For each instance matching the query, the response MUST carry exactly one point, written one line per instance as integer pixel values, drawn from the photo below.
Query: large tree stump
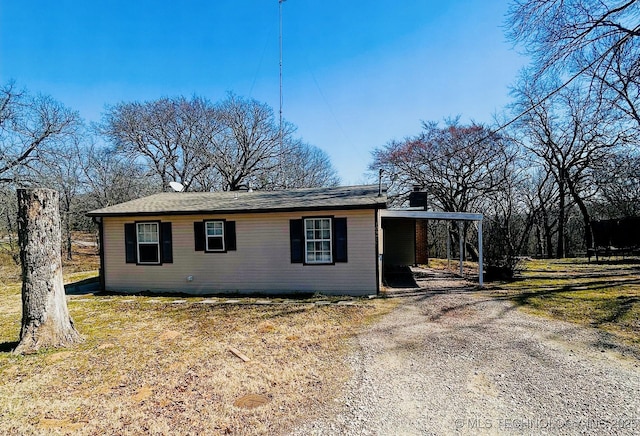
(45, 317)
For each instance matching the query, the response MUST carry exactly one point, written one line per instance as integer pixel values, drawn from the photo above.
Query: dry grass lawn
(159, 365)
(603, 295)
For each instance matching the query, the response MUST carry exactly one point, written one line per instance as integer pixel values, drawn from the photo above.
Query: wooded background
(563, 153)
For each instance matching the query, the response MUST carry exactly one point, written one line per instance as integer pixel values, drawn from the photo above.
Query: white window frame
(318, 237)
(155, 224)
(221, 235)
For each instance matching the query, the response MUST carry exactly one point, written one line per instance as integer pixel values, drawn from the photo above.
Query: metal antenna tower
(280, 40)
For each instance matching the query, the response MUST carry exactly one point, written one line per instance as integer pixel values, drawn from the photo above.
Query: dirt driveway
(455, 362)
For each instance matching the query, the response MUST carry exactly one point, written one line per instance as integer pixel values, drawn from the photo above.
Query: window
(317, 240)
(215, 235)
(148, 243)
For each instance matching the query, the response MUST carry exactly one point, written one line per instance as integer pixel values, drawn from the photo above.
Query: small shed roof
(182, 203)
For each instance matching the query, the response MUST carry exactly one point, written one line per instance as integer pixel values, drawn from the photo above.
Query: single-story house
(327, 240)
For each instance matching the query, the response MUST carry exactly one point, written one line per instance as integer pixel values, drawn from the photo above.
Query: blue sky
(356, 73)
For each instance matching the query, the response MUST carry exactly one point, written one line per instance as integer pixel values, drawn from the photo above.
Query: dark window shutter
(198, 234)
(167, 243)
(230, 235)
(339, 239)
(296, 234)
(130, 240)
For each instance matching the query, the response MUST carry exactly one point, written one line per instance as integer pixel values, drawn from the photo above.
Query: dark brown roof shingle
(181, 203)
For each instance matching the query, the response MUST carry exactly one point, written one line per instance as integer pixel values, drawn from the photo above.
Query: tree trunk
(588, 235)
(15, 254)
(67, 235)
(548, 233)
(526, 236)
(45, 318)
(467, 247)
(561, 220)
(539, 244)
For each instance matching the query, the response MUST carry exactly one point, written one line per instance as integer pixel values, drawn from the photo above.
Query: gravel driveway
(455, 362)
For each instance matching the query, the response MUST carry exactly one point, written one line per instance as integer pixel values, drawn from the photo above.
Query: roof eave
(239, 211)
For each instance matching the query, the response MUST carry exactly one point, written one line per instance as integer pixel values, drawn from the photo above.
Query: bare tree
(168, 134)
(111, 177)
(31, 128)
(247, 146)
(617, 82)
(593, 40)
(459, 166)
(305, 166)
(8, 223)
(541, 197)
(61, 169)
(28, 126)
(570, 135)
(618, 179)
(233, 144)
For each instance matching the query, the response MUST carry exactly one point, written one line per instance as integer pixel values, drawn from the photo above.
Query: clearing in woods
(160, 364)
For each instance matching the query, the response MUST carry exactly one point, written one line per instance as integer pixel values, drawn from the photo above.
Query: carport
(399, 235)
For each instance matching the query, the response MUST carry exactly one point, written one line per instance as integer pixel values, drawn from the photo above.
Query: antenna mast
(280, 40)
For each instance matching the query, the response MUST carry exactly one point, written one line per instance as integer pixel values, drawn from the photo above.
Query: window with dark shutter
(148, 243)
(296, 236)
(318, 240)
(130, 241)
(167, 243)
(230, 235)
(198, 235)
(215, 236)
(340, 239)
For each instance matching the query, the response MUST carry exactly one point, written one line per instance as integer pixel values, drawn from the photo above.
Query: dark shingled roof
(182, 203)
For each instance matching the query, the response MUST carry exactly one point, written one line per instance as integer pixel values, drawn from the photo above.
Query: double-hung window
(215, 235)
(318, 240)
(148, 243)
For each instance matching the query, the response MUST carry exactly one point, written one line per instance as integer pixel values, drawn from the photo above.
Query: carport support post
(461, 246)
(448, 245)
(480, 259)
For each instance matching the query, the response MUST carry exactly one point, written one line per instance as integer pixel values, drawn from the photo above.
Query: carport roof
(453, 216)
(430, 215)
